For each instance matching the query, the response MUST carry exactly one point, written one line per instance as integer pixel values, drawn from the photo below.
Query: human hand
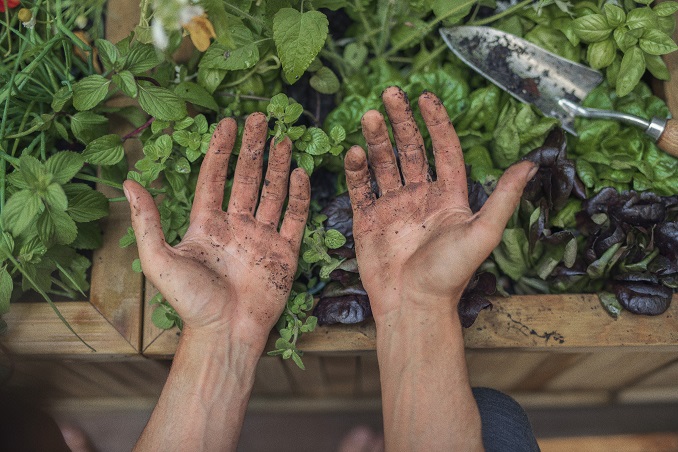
(233, 271)
(418, 243)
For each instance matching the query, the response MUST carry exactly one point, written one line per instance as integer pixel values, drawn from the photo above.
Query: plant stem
(244, 15)
(99, 180)
(139, 129)
(504, 13)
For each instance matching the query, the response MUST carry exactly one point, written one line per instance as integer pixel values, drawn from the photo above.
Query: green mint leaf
(210, 79)
(286, 334)
(61, 130)
(61, 98)
(136, 265)
(64, 165)
(305, 161)
(316, 141)
(656, 42)
(355, 54)
(295, 132)
(196, 94)
(282, 344)
(298, 39)
(277, 105)
(86, 126)
(127, 83)
(309, 256)
(128, 239)
(325, 81)
(592, 28)
(88, 92)
(141, 58)
(665, 9)
(89, 237)
(326, 269)
(105, 150)
(6, 288)
(160, 318)
(20, 211)
(108, 53)
(337, 134)
(55, 226)
(161, 103)
(201, 124)
(241, 58)
(287, 354)
(183, 123)
(631, 70)
(334, 239)
(292, 113)
(88, 206)
(55, 197)
(6, 245)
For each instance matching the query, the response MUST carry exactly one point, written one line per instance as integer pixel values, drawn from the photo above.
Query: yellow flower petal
(201, 30)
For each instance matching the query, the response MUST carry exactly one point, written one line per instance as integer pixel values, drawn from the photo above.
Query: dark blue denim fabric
(506, 427)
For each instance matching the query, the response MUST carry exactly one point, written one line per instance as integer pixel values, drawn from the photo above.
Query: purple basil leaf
(336, 289)
(340, 215)
(666, 239)
(347, 309)
(643, 298)
(470, 306)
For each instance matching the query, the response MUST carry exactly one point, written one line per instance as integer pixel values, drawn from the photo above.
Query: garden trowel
(553, 84)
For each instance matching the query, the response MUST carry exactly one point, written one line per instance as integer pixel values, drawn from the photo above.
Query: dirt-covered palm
(233, 270)
(418, 242)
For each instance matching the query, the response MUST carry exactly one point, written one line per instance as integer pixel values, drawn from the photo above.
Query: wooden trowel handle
(668, 140)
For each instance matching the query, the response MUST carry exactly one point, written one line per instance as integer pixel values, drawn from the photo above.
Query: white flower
(160, 39)
(188, 12)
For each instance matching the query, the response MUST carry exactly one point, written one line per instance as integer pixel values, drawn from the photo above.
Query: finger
(450, 168)
(293, 224)
(209, 191)
(247, 178)
(491, 220)
(275, 183)
(146, 225)
(358, 179)
(380, 151)
(409, 142)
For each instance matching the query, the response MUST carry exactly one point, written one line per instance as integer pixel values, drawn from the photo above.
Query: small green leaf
(665, 9)
(311, 256)
(61, 98)
(292, 113)
(128, 239)
(601, 54)
(316, 141)
(297, 361)
(355, 54)
(86, 126)
(298, 39)
(641, 18)
(609, 301)
(20, 211)
(337, 134)
(136, 265)
(141, 58)
(631, 70)
(614, 14)
(64, 165)
(305, 161)
(160, 318)
(88, 206)
(6, 288)
(592, 28)
(55, 197)
(196, 94)
(125, 80)
(88, 92)
(334, 239)
(655, 64)
(295, 132)
(55, 226)
(656, 42)
(451, 11)
(105, 150)
(161, 103)
(325, 81)
(108, 53)
(276, 106)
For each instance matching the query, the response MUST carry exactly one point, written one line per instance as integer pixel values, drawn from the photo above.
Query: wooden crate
(111, 320)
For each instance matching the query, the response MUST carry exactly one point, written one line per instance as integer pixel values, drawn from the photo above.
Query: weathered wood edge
(34, 330)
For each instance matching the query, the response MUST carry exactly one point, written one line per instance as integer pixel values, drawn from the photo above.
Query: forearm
(203, 403)
(426, 395)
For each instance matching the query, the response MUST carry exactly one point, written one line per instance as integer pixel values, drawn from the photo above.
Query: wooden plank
(502, 370)
(563, 399)
(369, 383)
(549, 368)
(271, 377)
(611, 370)
(655, 442)
(340, 374)
(35, 330)
(309, 382)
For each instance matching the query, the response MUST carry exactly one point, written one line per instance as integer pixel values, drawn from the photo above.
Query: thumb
(492, 218)
(146, 224)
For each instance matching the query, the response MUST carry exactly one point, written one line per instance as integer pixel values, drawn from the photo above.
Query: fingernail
(124, 190)
(533, 172)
